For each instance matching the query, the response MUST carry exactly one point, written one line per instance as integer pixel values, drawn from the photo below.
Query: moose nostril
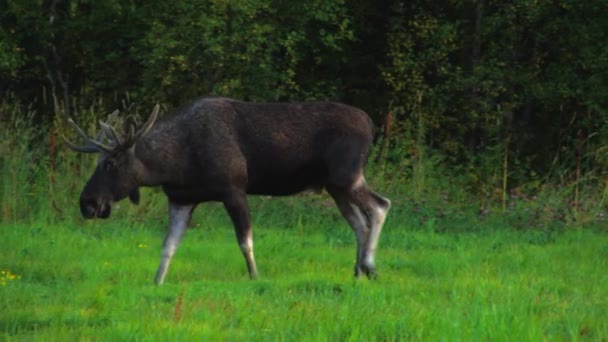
(104, 211)
(88, 209)
(88, 212)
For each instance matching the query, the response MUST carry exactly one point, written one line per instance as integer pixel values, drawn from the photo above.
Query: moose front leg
(179, 216)
(236, 206)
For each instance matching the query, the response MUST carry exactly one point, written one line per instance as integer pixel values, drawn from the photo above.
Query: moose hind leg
(376, 208)
(179, 216)
(380, 207)
(356, 219)
(238, 210)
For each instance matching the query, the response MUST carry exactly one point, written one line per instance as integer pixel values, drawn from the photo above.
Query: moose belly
(192, 193)
(277, 181)
(271, 180)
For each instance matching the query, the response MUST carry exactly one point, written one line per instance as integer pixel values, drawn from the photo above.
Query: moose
(222, 149)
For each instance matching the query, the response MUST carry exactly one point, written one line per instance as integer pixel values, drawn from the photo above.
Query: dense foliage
(509, 95)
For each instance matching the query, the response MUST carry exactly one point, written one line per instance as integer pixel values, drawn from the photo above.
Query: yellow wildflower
(6, 276)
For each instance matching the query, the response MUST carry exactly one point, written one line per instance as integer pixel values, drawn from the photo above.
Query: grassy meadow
(93, 280)
(452, 266)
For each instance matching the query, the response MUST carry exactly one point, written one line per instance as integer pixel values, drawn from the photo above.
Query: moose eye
(109, 165)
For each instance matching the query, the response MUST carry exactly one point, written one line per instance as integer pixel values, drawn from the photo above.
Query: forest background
(494, 104)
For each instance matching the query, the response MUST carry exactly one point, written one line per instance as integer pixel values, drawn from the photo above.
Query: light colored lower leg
(376, 224)
(179, 216)
(358, 224)
(356, 219)
(247, 249)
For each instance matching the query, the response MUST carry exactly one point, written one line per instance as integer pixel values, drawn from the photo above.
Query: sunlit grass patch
(7, 277)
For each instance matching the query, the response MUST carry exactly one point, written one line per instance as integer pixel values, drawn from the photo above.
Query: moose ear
(134, 196)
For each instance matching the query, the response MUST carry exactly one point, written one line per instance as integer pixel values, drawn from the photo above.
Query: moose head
(117, 174)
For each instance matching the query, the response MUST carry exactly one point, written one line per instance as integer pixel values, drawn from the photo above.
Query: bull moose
(221, 149)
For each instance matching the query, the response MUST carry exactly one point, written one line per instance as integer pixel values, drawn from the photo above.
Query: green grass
(452, 265)
(93, 280)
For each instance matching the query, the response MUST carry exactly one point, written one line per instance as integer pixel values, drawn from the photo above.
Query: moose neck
(157, 159)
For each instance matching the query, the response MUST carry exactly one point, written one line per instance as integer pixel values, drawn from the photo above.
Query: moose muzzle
(91, 208)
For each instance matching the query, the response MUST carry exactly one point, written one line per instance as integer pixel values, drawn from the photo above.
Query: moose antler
(117, 139)
(91, 146)
(109, 130)
(133, 136)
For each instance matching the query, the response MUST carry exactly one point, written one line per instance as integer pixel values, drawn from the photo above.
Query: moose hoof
(358, 271)
(368, 270)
